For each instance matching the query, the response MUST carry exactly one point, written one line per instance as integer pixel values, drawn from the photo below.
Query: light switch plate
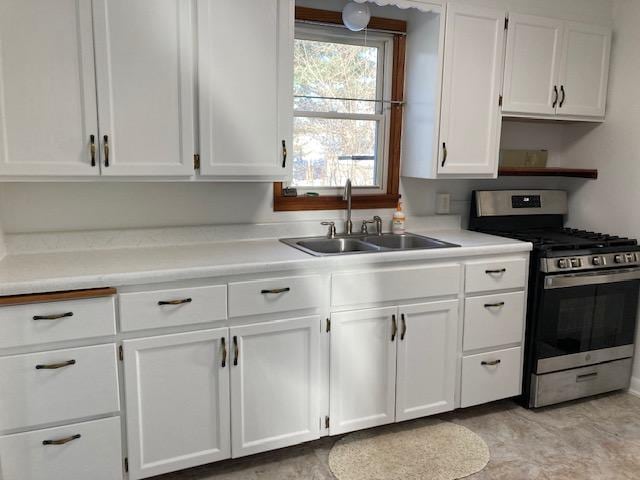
(443, 203)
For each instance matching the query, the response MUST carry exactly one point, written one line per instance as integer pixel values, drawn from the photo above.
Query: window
(347, 112)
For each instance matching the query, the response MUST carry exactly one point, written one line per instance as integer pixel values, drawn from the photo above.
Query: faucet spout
(348, 226)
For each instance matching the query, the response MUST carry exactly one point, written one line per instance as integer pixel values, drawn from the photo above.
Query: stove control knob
(596, 261)
(576, 262)
(630, 257)
(619, 259)
(563, 263)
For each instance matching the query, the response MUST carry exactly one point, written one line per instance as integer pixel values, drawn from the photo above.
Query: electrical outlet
(443, 203)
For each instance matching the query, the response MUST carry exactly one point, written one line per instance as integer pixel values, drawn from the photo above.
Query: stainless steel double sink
(341, 245)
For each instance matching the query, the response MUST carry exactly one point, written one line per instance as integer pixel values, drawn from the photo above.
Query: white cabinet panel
(531, 67)
(245, 88)
(363, 369)
(144, 61)
(93, 452)
(274, 384)
(493, 320)
(495, 274)
(427, 359)
(177, 398)
(47, 88)
(585, 70)
(472, 80)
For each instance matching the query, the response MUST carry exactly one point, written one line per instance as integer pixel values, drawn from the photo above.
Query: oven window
(614, 316)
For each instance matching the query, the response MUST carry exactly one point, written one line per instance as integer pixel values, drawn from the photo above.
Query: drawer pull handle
(53, 317)
(223, 341)
(62, 441)
(494, 305)
(175, 302)
(55, 366)
(394, 327)
(275, 291)
(237, 351)
(586, 377)
(404, 326)
(495, 272)
(490, 363)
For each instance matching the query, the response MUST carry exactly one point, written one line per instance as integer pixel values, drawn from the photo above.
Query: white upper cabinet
(531, 66)
(555, 69)
(584, 70)
(472, 81)
(245, 82)
(144, 63)
(47, 88)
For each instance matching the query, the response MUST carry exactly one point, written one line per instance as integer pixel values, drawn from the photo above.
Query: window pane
(326, 69)
(328, 151)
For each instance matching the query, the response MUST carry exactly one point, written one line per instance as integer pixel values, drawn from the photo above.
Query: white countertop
(58, 271)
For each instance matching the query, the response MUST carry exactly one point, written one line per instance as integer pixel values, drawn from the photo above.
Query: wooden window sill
(330, 202)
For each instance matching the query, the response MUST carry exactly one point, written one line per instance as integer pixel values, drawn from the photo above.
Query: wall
(611, 203)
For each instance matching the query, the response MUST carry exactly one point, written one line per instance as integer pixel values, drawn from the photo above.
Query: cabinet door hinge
(500, 100)
(196, 161)
(328, 329)
(506, 23)
(126, 464)
(120, 353)
(326, 421)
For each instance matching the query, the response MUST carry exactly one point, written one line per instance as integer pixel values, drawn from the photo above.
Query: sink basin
(332, 246)
(322, 246)
(406, 242)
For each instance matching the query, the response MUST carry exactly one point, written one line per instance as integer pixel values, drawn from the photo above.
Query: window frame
(388, 196)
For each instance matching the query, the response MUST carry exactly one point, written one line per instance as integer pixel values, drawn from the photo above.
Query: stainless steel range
(583, 296)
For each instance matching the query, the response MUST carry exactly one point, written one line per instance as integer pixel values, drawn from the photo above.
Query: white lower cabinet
(274, 384)
(427, 346)
(177, 396)
(89, 450)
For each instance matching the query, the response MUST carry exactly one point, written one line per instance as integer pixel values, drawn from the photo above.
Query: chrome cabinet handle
(491, 363)
(223, 341)
(493, 272)
(92, 149)
(444, 153)
(106, 150)
(237, 351)
(555, 96)
(53, 317)
(55, 366)
(275, 290)
(404, 326)
(175, 302)
(284, 153)
(394, 328)
(62, 441)
(564, 96)
(494, 305)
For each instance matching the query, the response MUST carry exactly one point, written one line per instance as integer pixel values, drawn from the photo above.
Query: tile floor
(595, 439)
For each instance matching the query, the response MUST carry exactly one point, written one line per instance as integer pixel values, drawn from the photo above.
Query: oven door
(591, 312)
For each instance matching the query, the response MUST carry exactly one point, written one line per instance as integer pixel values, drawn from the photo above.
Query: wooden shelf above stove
(547, 172)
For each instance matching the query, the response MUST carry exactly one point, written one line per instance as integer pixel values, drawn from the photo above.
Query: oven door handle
(579, 279)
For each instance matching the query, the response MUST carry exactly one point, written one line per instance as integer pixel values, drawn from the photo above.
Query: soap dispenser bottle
(397, 225)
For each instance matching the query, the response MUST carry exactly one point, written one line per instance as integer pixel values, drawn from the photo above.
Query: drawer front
(493, 320)
(275, 295)
(357, 288)
(485, 380)
(168, 308)
(58, 386)
(96, 454)
(37, 323)
(496, 275)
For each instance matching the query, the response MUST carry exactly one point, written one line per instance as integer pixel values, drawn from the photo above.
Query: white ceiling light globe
(356, 16)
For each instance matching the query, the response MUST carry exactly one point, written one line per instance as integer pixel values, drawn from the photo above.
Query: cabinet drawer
(357, 288)
(275, 295)
(168, 308)
(80, 382)
(490, 376)
(95, 453)
(493, 320)
(36, 323)
(495, 275)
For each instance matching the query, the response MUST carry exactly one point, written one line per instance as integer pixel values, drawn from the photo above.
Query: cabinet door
(177, 398)
(427, 357)
(531, 67)
(363, 369)
(274, 384)
(245, 88)
(585, 70)
(47, 88)
(144, 62)
(470, 114)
